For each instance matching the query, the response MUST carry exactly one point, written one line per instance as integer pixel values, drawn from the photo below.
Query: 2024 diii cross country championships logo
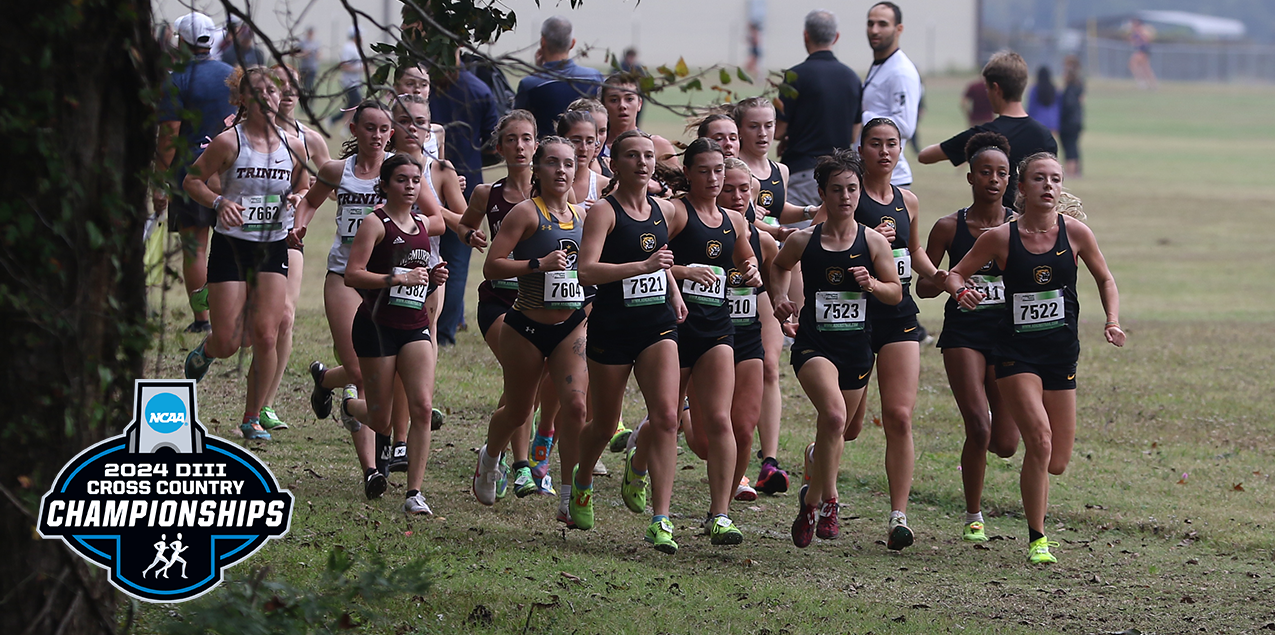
(165, 507)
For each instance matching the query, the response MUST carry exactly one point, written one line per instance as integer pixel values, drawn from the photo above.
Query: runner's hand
(887, 230)
(661, 259)
(439, 274)
(555, 260)
(230, 214)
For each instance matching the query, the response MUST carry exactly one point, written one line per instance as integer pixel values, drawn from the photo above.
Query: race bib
(1038, 311)
(261, 213)
(711, 295)
(348, 220)
(646, 289)
(992, 288)
(563, 290)
(743, 305)
(840, 310)
(407, 297)
(903, 264)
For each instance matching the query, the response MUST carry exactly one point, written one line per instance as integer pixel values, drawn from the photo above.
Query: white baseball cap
(196, 29)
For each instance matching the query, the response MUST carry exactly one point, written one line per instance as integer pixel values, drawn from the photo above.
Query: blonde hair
(587, 104)
(733, 163)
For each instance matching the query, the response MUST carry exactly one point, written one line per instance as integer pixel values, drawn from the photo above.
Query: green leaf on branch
(743, 77)
(646, 84)
(384, 48)
(382, 75)
(680, 68)
(723, 76)
(694, 84)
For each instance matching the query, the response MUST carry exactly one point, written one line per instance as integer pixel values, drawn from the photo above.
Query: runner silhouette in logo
(160, 547)
(177, 548)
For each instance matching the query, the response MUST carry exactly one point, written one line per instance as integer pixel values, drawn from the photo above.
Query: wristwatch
(534, 263)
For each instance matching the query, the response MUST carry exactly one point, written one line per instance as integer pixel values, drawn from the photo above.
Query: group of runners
(611, 255)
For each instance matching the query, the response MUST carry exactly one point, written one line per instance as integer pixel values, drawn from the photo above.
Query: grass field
(1165, 516)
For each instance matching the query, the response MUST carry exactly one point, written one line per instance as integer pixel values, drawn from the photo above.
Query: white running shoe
(415, 505)
(485, 480)
(744, 491)
(347, 419)
(599, 469)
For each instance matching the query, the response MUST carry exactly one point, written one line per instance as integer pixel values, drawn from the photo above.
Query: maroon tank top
(502, 292)
(399, 307)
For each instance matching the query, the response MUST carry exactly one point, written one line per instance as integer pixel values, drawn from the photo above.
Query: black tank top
(990, 282)
(400, 307)
(708, 313)
(743, 300)
(894, 213)
(773, 194)
(1040, 291)
(633, 303)
(503, 292)
(835, 306)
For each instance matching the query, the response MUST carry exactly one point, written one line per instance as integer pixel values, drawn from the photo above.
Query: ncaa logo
(766, 199)
(647, 242)
(1042, 274)
(165, 413)
(713, 249)
(835, 275)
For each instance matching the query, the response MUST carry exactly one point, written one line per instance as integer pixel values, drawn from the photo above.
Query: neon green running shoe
(271, 421)
(199, 300)
(660, 535)
(724, 532)
(620, 439)
(974, 533)
(580, 507)
(633, 487)
(1038, 551)
(502, 485)
(524, 484)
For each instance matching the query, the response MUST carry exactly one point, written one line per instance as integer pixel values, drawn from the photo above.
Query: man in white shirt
(892, 86)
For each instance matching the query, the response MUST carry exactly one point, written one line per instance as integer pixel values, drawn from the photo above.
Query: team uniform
(260, 182)
(549, 289)
(632, 314)
(743, 303)
(834, 321)
(301, 130)
(389, 319)
(496, 297)
(1038, 334)
(979, 329)
(892, 323)
(708, 321)
(773, 194)
(355, 199)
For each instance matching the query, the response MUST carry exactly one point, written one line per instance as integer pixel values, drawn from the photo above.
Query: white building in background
(939, 35)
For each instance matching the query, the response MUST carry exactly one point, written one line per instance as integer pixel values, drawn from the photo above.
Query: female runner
(1037, 347)
(248, 259)
(354, 177)
(968, 336)
(844, 265)
(632, 329)
(580, 127)
(390, 259)
(710, 247)
(413, 80)
(599, 112)
(546, 323)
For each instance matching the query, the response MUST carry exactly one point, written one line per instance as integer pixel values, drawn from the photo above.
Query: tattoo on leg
(578, 347)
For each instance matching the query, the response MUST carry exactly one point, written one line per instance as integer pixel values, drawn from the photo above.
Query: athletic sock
(636, 472)
(518, 465)
(487, 461)
(976, 517)
(1033, 535)
(900, 515)
(252, 418)
(412, 492)
(658, 517)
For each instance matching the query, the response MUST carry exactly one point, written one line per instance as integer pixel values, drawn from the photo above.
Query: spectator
(547, 92)
(1072, 116)
(630, 63)
(308, 60)
(194, 110)
(1140, 37)
(239, 50)
(824, 114)
(1006, 78)
(975, 105)
(892, 87)
(1043, 103)
(464, 105)
(352, 72)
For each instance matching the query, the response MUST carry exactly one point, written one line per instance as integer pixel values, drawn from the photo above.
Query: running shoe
(270, 421)
(347, 419)
(580, 508)
(541, 449)
(524, 483)
(660, 535)
(436, 419)
(320, 397)
(384, 452)
(197, 363)
(974, 533)
(374, 485)
(198, 326)
(253, 431)
(744, 491)
(620, 438)
(487, 481)
(564, 513)
(398, 458)
(828, 527)
(544, 486)
(900, 534)
(808, 458)
(724, 532)
(1038, 551)
(415, 505)
(803, 528)
(600, 468)
(633, 487)
(772, 479)
(199, 300)
(502, 485)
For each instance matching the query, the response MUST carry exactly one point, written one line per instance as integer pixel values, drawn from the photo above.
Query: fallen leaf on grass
(876, 421)
(1182, 481)
(1186, 599)
(480, 616)
(314, 474)
(571, 577)
(982, 547)
(1238, 487)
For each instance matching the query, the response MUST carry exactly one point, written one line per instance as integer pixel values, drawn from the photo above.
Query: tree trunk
(77, 131)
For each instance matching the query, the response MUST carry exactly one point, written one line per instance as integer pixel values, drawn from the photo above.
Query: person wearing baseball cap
(195, 107)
